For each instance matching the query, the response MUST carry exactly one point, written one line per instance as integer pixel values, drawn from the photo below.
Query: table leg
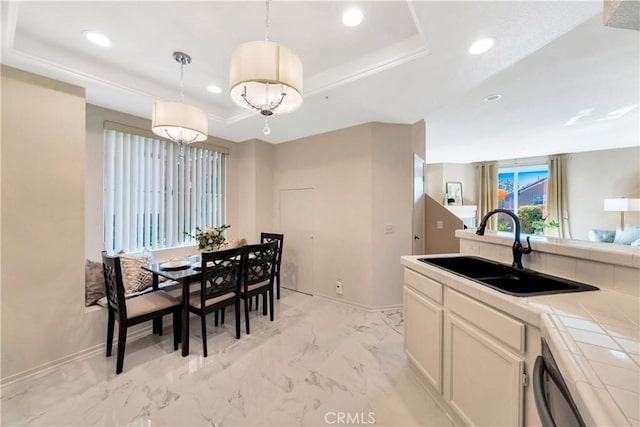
(157, 323)
(185, 317)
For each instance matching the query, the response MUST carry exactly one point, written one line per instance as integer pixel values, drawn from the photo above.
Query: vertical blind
(151, 196)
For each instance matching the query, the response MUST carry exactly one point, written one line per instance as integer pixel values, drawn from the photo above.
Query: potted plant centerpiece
(210, 238)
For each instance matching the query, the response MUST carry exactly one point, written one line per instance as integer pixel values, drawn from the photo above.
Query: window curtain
(488, 192)
(557, 205)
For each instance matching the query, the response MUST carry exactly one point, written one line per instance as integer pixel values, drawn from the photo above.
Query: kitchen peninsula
(474, 348)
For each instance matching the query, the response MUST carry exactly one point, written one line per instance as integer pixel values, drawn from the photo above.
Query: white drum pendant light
(177, 121)
(266, 77)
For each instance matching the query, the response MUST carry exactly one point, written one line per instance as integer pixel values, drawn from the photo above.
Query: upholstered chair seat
(148, 303)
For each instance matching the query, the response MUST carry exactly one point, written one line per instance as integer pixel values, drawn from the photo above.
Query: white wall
(438, 174)
(43, 170)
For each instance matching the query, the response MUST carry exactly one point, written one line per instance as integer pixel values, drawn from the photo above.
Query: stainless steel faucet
(517, 248)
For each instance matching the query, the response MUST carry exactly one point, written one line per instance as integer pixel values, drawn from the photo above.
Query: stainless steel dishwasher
(553, 400)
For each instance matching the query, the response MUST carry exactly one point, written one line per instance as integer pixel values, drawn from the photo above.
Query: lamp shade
(622, 205)
(263, 70)
(179, 122)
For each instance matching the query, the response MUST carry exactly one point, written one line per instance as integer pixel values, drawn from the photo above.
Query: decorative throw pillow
(233, 244)
(93, 282)
(628, 235)
(606, 236)
(134, 278)
(635, 242)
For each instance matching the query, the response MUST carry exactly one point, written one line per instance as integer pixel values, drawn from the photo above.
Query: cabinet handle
(538, 393)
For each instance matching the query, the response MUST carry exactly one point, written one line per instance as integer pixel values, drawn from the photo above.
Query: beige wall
(440, 240)
(362, 180)
(255, 189)
(337, 166)
(592, 176)
(43, 238)
(361, 176)
(419, 138)
(46, 204)
(392, 187)
(597, 175)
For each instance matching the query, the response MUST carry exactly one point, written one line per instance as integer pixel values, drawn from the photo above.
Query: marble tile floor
(317, 360)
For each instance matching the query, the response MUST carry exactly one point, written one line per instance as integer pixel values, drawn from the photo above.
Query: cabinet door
(423, 336)
(483, 380)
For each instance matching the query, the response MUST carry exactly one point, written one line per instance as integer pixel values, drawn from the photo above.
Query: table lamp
(622, 205)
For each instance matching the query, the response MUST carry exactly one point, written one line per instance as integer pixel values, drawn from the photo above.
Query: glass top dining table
(184, 275)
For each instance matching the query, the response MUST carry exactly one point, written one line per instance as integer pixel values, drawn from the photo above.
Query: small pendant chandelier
(266, 77)
(177, 121)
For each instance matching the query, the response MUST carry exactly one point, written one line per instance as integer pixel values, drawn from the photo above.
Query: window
(523, 190)
(151, 197)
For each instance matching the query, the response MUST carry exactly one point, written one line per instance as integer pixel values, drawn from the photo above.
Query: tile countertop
(594, 338)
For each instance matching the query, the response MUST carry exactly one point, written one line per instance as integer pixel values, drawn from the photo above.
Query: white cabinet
(423, 336)
(474, 359)
(483, 380)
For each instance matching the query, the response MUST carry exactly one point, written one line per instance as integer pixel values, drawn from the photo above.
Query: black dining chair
(274, 237)
(258, 275)
(219, 287)
(132, 311)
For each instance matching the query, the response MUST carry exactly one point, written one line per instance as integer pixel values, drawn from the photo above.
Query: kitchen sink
(506, 279)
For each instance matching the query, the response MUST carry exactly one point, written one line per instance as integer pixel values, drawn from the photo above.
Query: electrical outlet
(338, 287)
(439, 225)
(388, 229)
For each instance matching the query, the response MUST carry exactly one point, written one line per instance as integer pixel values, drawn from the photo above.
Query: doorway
(418, 205)
(296, 223)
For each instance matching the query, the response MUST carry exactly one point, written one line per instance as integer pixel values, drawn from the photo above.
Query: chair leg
(203, 319)
(157, 326)
(237, 319)
(110, 326)
(270, 304)
(278, 284)
(215, 318)
(122, 342)
(159, 320)
(247, 301)
(176, 329)
(264, 304)
(222, 316)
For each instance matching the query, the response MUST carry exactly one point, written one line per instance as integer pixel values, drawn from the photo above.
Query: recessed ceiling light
(481, 46)
(97, 38)
(492, 98)
(352, 17)
(214, 89)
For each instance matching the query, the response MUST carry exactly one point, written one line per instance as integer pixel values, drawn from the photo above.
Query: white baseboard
(82, 354)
